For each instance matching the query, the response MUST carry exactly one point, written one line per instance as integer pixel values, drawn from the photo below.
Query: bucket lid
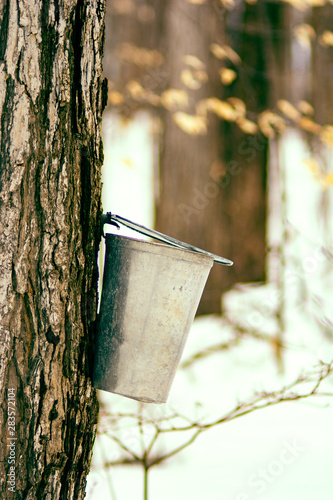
(113, 219)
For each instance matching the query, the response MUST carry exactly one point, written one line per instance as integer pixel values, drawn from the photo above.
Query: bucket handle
(113, 219)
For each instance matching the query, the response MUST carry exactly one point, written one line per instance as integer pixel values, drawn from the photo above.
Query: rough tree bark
(51, 101)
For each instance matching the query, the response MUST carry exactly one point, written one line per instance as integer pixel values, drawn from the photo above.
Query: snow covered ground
(281, 452)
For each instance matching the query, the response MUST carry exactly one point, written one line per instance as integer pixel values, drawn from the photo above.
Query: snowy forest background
(219, 132)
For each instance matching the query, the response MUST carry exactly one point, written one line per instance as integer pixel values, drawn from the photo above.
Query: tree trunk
(51, 101)
(322, 64)
(190, 205)
(251, 34)
(132, 50)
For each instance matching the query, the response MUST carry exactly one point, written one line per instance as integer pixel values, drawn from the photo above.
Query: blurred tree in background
(224, 77)
(174, 58)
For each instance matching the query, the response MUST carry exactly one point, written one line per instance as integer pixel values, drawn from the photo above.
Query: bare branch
(258, 401)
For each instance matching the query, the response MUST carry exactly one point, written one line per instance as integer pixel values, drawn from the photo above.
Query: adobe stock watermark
(294, 279)
(152, 80)
(263, 477)
(11, 439)
(202, 197)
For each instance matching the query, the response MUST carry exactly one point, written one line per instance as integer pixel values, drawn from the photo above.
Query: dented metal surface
(150, 296)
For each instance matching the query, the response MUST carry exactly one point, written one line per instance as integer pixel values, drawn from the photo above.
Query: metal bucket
(150, 295)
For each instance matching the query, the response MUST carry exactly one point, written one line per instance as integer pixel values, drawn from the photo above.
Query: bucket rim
(188, 255)
(114, 220)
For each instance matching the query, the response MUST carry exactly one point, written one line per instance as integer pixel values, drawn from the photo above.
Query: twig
(256, 402)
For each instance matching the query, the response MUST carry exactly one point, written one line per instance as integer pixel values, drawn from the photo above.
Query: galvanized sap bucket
(149, 299)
